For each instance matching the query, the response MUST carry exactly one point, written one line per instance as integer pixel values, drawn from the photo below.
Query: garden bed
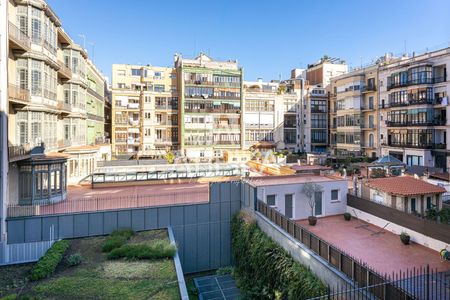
(98, 277)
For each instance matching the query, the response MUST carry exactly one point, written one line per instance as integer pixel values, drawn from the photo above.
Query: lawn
(97, 277)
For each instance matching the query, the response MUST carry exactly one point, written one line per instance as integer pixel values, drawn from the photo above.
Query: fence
(107, 203)
(421, 283)
(376, 284)
(429, 228)
(25, 252)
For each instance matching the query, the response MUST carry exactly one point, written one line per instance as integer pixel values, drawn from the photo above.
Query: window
(429, 203)
(334, 195)
(413, 204)
(121, 72)
(270, 199)
(135, 72)
(159, 88)
(121, 85)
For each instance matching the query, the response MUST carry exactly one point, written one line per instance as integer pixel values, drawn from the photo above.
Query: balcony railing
(64, 143)
(368, 126)
(20, 151)
(63, 106)
(213, 110)
(436, 122)
(411, 102)
(433, 80)
(64, 71)
(418, 146)
(19, 40)
(231, 97)
(369, 88)
(166, 107)
(16, 93)
(223, 84)
(95, 117)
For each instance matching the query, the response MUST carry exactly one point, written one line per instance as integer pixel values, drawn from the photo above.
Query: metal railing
(19, 37)
(352, 267)
(17, 93)
(106, 203)
(420, 283)
(19, 151)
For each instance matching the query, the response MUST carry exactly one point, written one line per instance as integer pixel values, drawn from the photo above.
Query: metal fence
(429, 228)
(107, 202)
(377, 285)
(420, 283)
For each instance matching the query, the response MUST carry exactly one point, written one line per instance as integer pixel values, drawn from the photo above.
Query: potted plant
(405, 238)
(310, 189)
(347, 216)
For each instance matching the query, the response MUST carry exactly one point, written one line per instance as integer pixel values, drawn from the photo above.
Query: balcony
(133, 122)
(411, 102)
(18, 39)
(166, 107)
(213, 110)
(18, 95)
(133, 141)
(64, 107)
(133, 106)
(64, 72)
(19, 152)
(433, 80)
(227, 127)
(64, 143)
(369, 88)
(436, 122)
(369, 126)
(418, 146)
(211, 83)
(95, 117)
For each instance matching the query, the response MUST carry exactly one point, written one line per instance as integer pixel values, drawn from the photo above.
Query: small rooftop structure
(290, 179)
(387, 159)
(404, 186)
(315, 169)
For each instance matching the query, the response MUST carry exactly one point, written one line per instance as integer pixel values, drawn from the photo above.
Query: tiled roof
(404, 186)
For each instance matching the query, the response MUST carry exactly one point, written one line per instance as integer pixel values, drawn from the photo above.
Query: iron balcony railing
(418, 146)
(17, 151)
(64, 70)
(437, 122)
(428, 80)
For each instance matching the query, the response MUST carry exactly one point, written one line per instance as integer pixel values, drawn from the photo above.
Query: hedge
(117, 239)
(47, 264)
(264, 270)
(159, 249)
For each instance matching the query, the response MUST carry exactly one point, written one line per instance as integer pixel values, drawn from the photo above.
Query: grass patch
(47, 264)
(97, 277)
(158, 249)
(117, 239)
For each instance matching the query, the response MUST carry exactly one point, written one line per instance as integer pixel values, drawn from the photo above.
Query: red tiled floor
(384, 253)
(84, 199)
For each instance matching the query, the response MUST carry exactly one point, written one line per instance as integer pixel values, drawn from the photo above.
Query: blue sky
(268, 38)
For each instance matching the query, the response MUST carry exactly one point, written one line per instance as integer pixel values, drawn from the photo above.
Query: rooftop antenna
(404, 46)
(84, 40)
(93, 49)
(360, 58)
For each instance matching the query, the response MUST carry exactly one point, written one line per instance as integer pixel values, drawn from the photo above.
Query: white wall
(397, 229)
(301, 208)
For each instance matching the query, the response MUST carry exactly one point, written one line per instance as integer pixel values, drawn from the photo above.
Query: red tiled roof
(404, 186)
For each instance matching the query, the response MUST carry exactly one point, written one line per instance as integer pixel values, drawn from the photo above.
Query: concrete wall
(3, 114)
(319, 266)
(202, 231)
(301, 208)
(397, 229)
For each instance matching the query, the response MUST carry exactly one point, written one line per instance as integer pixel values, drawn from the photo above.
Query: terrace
(83, 198)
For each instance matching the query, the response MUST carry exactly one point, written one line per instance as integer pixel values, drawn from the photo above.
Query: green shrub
(279, 275)
(225, 270)
(47, 264)
(159, 249)
(117, 239)
(9, 297)
(74, 260)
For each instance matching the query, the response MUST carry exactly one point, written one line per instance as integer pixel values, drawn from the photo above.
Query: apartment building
(211, 106)
(3, 117)
(54, 106)
(414, 107)
(262, 120)
(313, 125)
(144, 111)
(354, 113)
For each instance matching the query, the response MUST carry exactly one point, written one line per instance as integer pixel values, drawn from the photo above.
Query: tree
(170, 157)
(310, 189)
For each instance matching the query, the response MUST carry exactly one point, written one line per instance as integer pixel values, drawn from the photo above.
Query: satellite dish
(205, 96)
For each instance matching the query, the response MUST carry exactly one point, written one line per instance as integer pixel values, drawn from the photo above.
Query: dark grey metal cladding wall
(202, 231)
